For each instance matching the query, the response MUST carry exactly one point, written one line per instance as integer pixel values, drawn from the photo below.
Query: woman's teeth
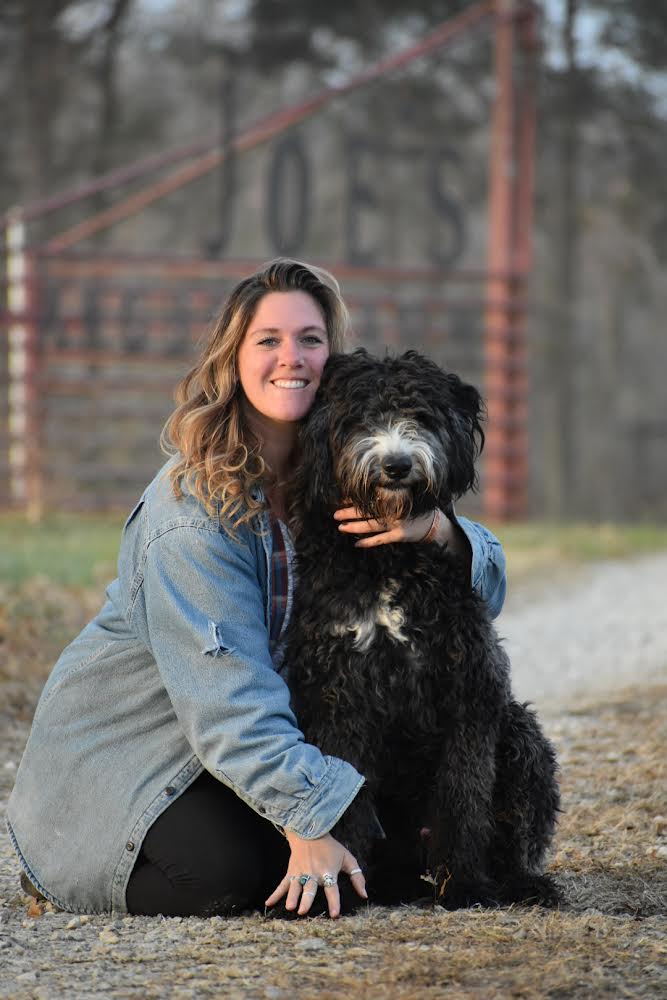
(296, 383)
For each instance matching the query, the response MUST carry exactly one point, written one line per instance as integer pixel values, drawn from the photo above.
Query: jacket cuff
(488, 576)
(327, 802)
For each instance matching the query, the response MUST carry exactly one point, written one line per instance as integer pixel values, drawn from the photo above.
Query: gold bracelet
(435, 524)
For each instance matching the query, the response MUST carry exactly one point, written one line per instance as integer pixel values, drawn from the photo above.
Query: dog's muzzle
(396, 468)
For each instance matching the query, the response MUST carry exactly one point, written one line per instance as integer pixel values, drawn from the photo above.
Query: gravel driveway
(585, 631)
(593, 628)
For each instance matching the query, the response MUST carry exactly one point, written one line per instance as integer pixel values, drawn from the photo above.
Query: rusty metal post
(506, 466)
(25, 487)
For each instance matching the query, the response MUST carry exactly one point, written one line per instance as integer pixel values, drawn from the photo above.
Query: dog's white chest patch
(384, 614)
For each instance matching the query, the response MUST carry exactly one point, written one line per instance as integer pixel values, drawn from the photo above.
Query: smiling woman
(164, 751)
(235, 428)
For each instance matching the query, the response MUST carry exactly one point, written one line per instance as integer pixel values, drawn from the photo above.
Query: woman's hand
(411, 529)
(315, 858)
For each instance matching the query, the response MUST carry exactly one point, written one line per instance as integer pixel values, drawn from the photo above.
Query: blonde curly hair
(217, 456)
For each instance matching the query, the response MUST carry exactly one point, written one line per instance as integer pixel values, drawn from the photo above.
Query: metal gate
(96, 342)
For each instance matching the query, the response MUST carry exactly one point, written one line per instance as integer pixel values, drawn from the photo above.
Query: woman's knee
(203, 854)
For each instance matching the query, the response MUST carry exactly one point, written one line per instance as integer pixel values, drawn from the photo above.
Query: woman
(165, 771)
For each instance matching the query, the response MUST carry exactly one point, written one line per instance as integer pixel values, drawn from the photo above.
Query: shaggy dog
(393, 662)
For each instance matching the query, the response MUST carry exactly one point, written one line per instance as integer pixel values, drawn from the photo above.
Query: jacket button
(169, 790)
(129, 846)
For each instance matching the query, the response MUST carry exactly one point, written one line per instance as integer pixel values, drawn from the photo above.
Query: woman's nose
(290, 352)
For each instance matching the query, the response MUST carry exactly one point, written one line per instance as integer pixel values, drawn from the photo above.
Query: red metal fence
(96, 343)
(113, 343)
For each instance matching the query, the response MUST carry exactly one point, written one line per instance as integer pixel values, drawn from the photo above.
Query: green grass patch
(585, 541)
(537, 546)
(71, 550)
(80, 550)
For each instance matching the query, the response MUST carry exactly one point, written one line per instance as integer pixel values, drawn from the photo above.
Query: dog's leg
(461, 821)
(526, 804)
(399, 861)
(334, 718)
(331, 727)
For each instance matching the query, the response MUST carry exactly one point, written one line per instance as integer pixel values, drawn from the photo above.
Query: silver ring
(309, 892)
(356, 871)
(328, 880)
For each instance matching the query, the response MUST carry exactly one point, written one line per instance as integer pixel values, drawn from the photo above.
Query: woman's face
(282, 354)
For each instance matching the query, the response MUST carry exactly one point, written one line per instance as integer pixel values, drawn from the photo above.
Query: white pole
(17, 301)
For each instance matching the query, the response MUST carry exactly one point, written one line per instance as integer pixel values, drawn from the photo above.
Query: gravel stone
(311, 944)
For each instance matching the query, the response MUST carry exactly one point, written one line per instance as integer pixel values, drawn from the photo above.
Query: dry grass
(37, 620)
(402, 955)
(607, 940)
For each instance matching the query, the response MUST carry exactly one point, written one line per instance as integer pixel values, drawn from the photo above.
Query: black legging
(208, 853)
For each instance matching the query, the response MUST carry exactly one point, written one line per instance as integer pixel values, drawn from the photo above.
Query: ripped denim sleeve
(216, 645)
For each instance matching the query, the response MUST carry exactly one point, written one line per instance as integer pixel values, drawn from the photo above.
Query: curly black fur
(394, 664)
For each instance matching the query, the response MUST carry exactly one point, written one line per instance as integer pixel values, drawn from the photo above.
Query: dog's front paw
(457, 894)
(530, 890)
(424, 902)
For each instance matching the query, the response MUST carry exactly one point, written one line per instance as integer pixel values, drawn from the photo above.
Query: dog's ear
(315, 454)
(313, 487)
(464, 411)
(314, 484)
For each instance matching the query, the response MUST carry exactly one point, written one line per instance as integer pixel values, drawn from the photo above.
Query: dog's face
(394, 436)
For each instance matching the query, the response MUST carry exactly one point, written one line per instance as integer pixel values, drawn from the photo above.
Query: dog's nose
(396, 466)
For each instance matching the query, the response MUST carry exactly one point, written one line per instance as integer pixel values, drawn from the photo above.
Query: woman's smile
(282, 383)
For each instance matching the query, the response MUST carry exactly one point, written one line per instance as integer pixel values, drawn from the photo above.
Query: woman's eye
(310, 339)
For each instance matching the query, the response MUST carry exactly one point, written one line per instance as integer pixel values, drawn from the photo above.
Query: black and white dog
(394, 664)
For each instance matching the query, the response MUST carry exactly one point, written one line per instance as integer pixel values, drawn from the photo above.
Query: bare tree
(559, 404)
(110, 37)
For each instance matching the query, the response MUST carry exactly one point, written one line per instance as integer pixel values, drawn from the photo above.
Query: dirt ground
(608, 939)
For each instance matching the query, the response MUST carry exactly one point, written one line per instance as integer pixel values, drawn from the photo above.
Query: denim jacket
(174, 675)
